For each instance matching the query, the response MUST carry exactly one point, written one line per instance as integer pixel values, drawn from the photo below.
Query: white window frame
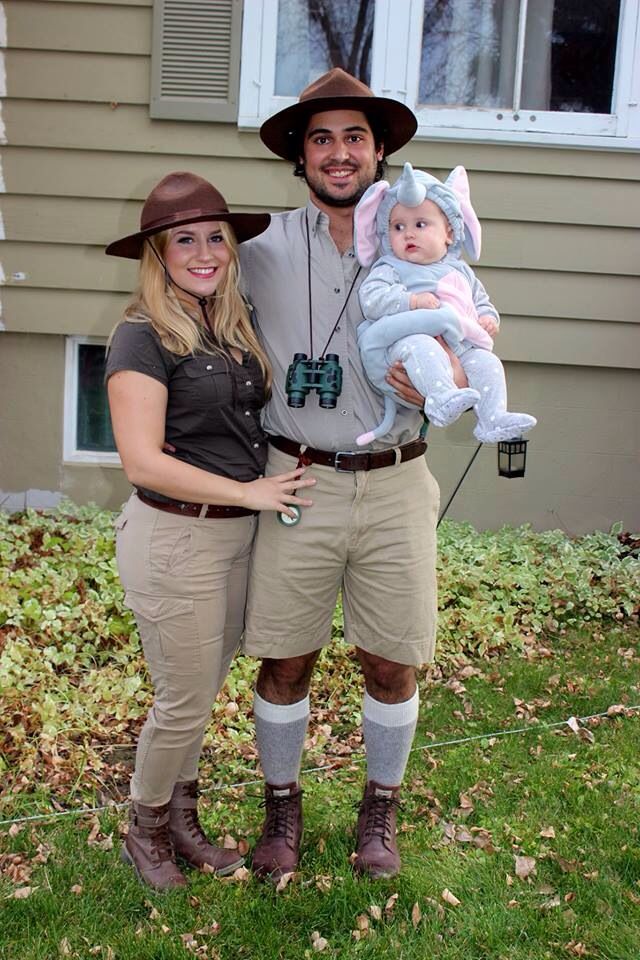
(71, 453)
(395, 72)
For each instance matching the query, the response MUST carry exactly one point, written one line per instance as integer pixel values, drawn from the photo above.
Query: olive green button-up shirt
(275, 275)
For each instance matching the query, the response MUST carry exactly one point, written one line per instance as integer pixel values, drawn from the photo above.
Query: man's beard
(332, 201)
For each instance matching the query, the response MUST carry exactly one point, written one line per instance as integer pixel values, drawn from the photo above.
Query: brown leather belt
(346, 461)
(195, 509)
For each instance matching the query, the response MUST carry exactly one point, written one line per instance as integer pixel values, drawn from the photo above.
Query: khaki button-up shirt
(275, 275)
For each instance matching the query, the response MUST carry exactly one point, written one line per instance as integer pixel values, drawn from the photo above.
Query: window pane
(570, 55)
(316, 35)
(468, 52)
(93, 423)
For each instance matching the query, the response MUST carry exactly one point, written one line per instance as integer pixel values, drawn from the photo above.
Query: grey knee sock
(388, 734)
(280, 733)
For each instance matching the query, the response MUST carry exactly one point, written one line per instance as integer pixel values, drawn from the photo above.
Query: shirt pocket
(207, 382)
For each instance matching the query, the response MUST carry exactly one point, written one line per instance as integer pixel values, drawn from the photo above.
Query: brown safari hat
(182, 198)
(338, 90)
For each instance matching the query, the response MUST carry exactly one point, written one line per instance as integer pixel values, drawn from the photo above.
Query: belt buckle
(336, 461)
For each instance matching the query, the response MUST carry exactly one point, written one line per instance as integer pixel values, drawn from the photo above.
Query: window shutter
(195, 59)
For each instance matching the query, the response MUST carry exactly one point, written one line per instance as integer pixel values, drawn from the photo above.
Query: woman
(186, 379)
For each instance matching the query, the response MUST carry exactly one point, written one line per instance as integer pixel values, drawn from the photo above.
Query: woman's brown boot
(188, 837)
(148, 847)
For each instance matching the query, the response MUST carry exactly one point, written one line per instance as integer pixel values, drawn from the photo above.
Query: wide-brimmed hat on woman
(338, 90)
(182, 198)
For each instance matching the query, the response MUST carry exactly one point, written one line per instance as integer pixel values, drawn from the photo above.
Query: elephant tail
(383, 427)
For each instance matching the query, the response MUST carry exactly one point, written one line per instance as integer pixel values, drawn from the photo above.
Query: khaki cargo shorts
(370, 534)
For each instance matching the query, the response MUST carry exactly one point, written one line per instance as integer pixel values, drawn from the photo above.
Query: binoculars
(324, 376)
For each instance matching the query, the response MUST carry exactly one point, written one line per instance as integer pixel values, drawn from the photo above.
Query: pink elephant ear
(365, 238)
(459, 183)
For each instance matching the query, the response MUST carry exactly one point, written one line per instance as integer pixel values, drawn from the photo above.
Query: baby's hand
(488, 323)
(424, 301)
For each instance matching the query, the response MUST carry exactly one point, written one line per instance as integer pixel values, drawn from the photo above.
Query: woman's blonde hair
(176, 320)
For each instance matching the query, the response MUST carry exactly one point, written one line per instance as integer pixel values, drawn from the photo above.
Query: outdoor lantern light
(512, 457)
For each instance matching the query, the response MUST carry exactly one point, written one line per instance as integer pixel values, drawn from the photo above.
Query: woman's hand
(274, 493)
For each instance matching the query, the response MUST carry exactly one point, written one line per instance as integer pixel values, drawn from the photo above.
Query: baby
(420, 289)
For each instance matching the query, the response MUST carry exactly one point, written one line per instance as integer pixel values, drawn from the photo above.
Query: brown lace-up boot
(377, 851)
(278, 849)
(148, 848)
(188, 837)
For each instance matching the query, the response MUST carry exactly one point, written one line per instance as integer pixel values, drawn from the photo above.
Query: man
(371, 529)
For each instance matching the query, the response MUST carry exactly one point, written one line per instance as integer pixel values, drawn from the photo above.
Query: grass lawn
(535, 834)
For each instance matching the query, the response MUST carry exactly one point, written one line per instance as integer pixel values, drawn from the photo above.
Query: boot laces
(378, 812)
(161, 846)
(281, 816)
(191, 822)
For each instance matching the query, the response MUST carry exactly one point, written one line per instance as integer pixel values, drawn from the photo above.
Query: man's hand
(398, 379)
(423, 301)
(488, 323)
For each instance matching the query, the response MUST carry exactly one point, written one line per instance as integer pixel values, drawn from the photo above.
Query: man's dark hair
(378, 138)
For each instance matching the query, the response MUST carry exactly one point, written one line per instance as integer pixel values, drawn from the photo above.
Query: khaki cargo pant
(185, 580)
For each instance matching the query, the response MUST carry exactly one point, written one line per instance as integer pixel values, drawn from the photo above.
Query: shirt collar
(317, 217)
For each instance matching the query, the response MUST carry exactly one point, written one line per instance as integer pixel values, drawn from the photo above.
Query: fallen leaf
(322, 843)
(450, 898)
(323, 883)
(23, 892)
(375, 912)
(211, 930)
(615, 710)
(64, 948)
(241, 874)
(363, 923)
(77, 889)
(567, 866)
(416, 915)
(512, 903)
(548, 832)
(525, 866)
(230, 843)
(284, 881)
(317, 942)
(15, 829)
(577, 948)
(390, 904)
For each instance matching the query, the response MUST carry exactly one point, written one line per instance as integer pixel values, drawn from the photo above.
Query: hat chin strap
(202, 301)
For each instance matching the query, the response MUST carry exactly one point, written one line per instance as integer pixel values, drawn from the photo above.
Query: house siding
(561, 259)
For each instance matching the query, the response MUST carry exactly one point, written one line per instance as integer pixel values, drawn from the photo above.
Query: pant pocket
(169, 633)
